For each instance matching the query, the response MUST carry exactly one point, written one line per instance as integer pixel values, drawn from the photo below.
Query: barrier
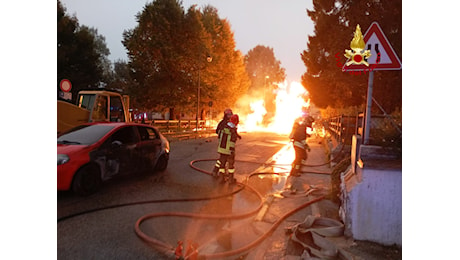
(384, 128)
(182, 129)
(342, 127)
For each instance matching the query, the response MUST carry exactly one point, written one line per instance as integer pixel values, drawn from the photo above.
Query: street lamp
(265, 86)
(208, 59)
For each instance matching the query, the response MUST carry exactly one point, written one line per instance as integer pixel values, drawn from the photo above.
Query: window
(125, 135)
(100, 109)
(116, 109)
(147, 133)
(86, 101)
(85, 134)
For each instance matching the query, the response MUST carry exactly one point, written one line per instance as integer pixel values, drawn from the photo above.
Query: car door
(149, 146)
(120, 151)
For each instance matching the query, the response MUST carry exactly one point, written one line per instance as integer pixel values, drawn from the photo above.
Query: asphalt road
(109, 233)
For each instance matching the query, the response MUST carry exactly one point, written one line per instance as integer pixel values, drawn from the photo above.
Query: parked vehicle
(92, 106)
(92, 153)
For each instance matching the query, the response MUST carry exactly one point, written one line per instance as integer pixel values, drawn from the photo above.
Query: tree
(66, 27)
(264, 70)
(101, 50)
(170, 53)
(158, 58)
(260, 63)
(226, 79)
(81, 54)
(335, 22)
(120, 77)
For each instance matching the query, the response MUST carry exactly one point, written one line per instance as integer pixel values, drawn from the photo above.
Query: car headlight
(62, 158)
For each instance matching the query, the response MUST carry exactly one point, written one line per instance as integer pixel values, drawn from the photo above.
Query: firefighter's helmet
(235, 119)
(228, 111)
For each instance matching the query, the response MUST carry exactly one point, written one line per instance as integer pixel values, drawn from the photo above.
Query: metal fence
(384, 130)
(342, 128)
(182, 129)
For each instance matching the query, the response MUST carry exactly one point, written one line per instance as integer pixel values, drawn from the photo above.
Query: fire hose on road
(171, 250)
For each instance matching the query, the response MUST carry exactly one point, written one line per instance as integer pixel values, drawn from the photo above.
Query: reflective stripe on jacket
(227, 141)
(301, 144)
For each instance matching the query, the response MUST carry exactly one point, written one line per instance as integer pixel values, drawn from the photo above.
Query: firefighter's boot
(230, 176)
(222, 175)
(295, 171)
(215, 171)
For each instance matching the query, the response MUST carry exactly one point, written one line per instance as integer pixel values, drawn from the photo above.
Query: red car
(94, 152)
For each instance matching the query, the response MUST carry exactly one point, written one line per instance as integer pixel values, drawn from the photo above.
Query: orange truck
(92, 106)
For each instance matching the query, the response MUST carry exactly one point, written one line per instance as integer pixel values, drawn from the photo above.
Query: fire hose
(316, 229)
(169, 250)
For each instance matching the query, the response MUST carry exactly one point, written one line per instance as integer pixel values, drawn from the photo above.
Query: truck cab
(104, 106)
(93, 106)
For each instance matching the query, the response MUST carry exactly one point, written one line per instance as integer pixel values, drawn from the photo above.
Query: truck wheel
(87, 180)
(162, 162)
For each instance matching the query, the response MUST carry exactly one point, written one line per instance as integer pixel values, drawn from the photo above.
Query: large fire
(290, 102)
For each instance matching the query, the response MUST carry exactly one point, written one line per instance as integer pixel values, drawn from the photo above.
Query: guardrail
(182, 129)
(342, 127)
(383, 128)
(178, 125)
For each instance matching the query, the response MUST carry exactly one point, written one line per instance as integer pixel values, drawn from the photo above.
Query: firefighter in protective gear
(299, 137)
(226, 150)
(227, 114)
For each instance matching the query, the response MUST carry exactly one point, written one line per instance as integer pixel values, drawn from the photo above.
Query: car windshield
(85, 134)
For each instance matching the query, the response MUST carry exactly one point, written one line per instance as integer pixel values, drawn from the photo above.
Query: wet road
(109, 234)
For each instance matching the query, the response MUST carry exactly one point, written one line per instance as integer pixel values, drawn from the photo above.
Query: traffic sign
(65, 85)
(383, 57)
(65, 95)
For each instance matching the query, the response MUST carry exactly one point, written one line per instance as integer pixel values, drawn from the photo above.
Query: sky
(281, 25)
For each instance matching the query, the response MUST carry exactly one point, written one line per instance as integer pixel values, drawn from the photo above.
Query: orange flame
(290, 102)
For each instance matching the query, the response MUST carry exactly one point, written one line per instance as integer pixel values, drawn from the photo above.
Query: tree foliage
(120, 78)
(335, 22)
(263, 68)
(81, 53)
(171, 51)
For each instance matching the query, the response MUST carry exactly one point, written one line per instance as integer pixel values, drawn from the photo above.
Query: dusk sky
(281, 25)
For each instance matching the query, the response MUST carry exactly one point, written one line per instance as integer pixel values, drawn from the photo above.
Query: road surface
(109, 233)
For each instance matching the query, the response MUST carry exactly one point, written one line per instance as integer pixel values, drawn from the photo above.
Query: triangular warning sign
(383, 56)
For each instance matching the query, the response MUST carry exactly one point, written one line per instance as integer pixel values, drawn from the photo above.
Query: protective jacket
(227, 139)
(299, 135)
(221, 126)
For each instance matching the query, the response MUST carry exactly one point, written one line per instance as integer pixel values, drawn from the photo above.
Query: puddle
(272, 176)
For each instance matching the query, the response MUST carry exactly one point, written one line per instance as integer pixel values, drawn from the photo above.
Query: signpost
(65, 86)
(383, 57)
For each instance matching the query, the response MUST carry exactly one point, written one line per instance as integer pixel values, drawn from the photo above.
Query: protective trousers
(300, 154)
(220, 165)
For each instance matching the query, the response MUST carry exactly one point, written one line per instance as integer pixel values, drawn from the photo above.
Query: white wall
(372, 202)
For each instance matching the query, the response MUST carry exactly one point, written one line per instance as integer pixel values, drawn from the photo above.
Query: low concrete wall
(372, 197)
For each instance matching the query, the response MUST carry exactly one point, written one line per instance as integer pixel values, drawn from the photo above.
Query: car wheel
(87, 180)
(162, 162)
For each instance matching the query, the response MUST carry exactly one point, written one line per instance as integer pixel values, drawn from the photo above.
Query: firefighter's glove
(307, 147)
(239, 136)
